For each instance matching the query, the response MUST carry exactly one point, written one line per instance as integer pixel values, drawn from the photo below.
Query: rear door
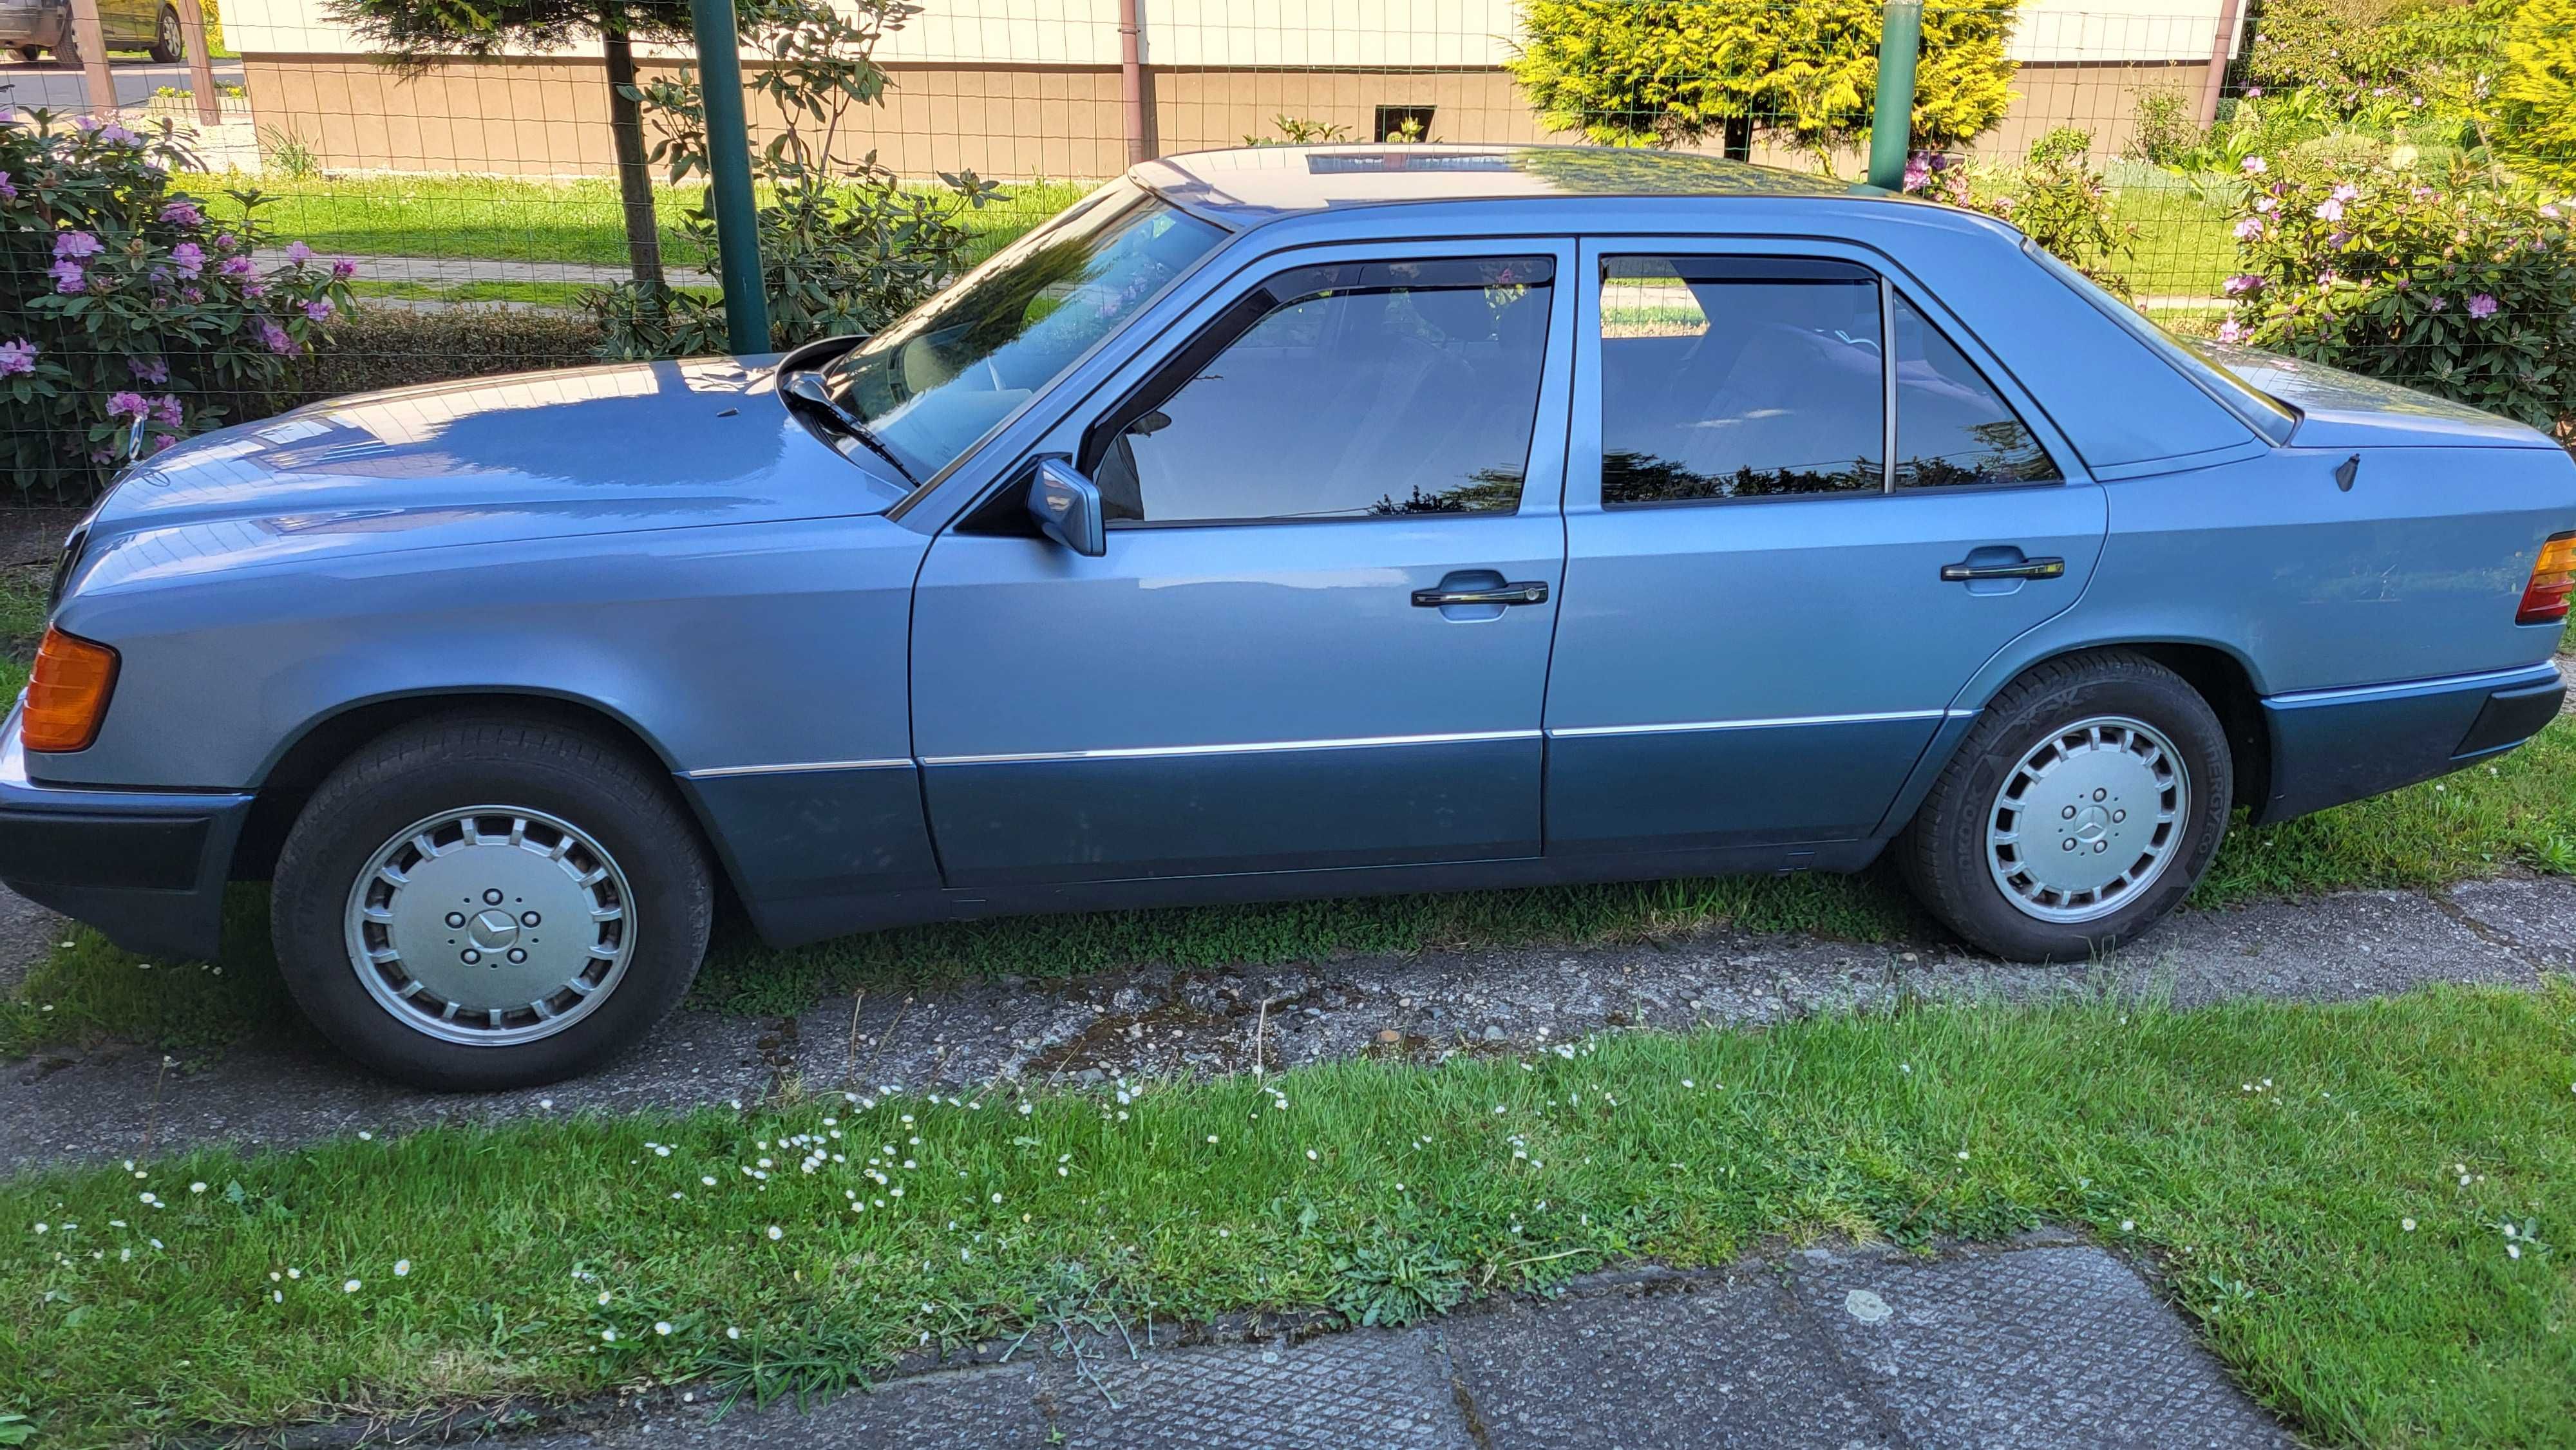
(1319, 637)
(1764, 622)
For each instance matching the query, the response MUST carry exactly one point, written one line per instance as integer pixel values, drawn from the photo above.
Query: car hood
(2338, 409)
(593, 450)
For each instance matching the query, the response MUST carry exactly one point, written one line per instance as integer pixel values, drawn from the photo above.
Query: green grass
(528, 221)
(2519, 813)
(22, 624)
(2267, 1156)
(2183, 246)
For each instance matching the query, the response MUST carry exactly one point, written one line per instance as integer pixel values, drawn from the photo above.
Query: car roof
(1247, 185)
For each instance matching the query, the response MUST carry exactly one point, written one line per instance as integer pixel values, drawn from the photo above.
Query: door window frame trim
(1584, 426)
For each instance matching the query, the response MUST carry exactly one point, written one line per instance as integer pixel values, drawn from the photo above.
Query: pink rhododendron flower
(2231, 331)
(235, 267)
(17, 357)
(127, 405)
(318, 309)
(68, 276)
(183, 213)
(189, 258)
(298, 252)
(76, 244)
(2437, 304)
(2346, 192)
(2255, 165)
(2329, 210)
(343, 270)
(148, 369)
(275, 337)
(2248, 229)
(2242, 284)
(161, 441)
(166, 411)
(8, 189)
(2253, 93)
(2482, 306)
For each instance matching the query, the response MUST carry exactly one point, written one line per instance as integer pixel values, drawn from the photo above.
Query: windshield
(2268, 415)
(937, 379)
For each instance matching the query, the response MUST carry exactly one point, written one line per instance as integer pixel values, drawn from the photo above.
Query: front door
(1319, 636)
(1765, 622)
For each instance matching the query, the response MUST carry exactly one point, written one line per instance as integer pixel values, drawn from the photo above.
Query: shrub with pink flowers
(2452, 284)
(129, 317)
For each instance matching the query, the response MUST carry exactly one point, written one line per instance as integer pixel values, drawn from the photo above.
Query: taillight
(67, 692)
(2553, 578)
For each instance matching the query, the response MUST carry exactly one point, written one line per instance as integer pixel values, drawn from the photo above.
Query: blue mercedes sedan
(1272, 523)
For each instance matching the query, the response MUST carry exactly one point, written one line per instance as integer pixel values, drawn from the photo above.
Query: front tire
(478, 903)
(2087, 801)
(166, 46)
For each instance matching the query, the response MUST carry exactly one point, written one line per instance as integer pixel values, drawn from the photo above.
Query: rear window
(2261, 411)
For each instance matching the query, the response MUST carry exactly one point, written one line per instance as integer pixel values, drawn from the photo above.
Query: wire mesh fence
(385, 201)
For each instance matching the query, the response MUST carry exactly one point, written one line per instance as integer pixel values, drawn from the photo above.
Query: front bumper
(2333, 746)
(148, 868)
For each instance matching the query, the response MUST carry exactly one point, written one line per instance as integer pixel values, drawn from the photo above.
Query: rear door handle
(1531, 592)
(2041, 568)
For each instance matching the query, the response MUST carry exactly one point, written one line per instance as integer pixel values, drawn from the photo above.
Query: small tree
(2535, 103)
(1629, 74)
(416, 36)
(845, 245)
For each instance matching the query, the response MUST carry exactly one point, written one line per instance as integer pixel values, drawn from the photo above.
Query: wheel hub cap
(2087, 819)
(490, 925)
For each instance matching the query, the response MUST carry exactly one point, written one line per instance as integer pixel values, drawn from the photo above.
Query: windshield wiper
(805, 387)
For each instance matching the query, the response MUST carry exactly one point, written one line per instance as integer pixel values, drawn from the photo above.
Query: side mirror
(1067, 508)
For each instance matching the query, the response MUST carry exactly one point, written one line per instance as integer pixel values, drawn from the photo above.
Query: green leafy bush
(2535, 103)
(845, 245)
(2428, 56)
(2167, 131)
(2456, 285)
(130, 319)
(1802, 71)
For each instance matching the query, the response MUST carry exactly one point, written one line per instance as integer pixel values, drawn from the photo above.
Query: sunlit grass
(2324, 1187)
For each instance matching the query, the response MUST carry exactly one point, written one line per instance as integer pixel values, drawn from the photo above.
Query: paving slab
(1161, 1022)
(2031, 1346)
(1729, 1361)
(2042, 1347)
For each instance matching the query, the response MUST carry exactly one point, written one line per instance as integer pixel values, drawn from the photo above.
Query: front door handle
(1532, 592)
(2041, 568)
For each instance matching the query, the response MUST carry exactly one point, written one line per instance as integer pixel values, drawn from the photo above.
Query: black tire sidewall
(671, 898)
(1948, 864)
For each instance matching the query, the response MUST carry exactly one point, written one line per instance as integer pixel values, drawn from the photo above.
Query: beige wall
(548, 116)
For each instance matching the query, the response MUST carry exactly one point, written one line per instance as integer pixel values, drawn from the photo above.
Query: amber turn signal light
(2553, 578)
(67, 692)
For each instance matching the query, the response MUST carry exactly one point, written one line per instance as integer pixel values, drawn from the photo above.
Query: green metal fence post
(729, 175)
(1891, 122)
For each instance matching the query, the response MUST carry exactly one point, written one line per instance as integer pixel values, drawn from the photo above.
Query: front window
(942, 375)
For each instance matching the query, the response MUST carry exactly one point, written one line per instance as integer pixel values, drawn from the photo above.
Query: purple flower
(127, 405)
(148, 369)
(112, 134)
(2482, 306)
(1918, 170)
(2255, 165)
(2243, 284)
(189, 258)
(183, 213)
(298, 253)
(2339, 240)
(17, 357)
(2330, 210)
(68, 276)
(319, 309)
(161, 441)
(2266, 205)
(235, 267)
(2437, 304)
(2253, 93)
(2547, 209)
(2346, 192)
(75, 244)
(343, 270)
(192, 294)
(226, 241)
(2231, 331)
(2248, 229)
(166, 411)
(8, 189)
(275, 337)
(254, 288)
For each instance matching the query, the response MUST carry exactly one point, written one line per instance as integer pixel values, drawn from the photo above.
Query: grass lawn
(527, 221)
(2363, 1205)
(2183, 247)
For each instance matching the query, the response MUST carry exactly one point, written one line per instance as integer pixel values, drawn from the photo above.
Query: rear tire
(479, 903)
(166, 43)
(2086, 802)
